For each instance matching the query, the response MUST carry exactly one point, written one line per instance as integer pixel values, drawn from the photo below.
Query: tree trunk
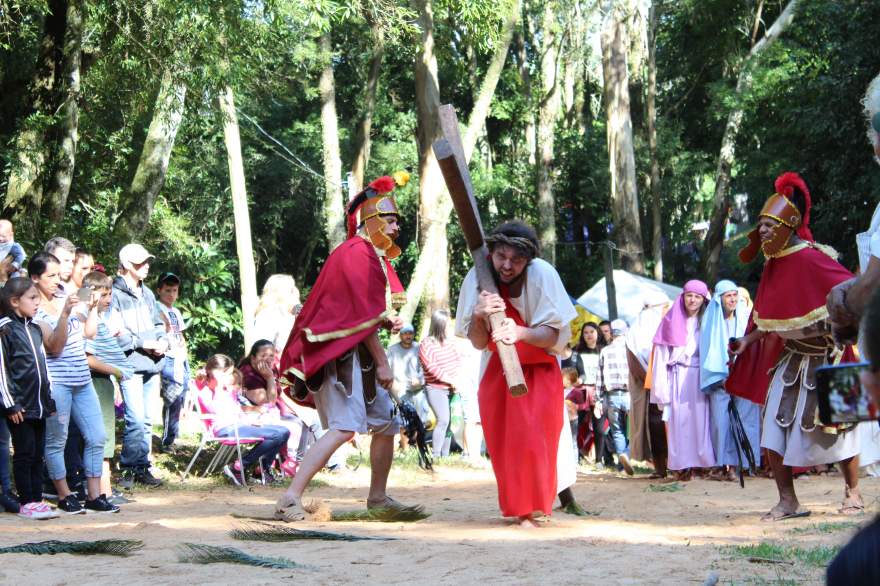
(67, 131)
(433, 255)
(243, 245)
(434, 202)
(487, 89)
(149, 177)
(24, 191)
(547, 112)
(624, 190)
(526, 78)
(334, 216)
(727, 156)
(363, 141)
(656, 215)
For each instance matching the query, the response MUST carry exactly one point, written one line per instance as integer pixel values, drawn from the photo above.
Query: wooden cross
(450, 156)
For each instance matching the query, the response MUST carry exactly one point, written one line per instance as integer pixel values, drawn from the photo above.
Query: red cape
(522, 433)
(791, 295)
(345, 306)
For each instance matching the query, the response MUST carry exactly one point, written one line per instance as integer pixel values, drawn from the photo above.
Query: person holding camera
(790, 337)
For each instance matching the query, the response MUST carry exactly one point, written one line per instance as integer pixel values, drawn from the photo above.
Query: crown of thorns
(526, 245)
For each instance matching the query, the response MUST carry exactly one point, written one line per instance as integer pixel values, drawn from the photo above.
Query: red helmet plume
(786, 184)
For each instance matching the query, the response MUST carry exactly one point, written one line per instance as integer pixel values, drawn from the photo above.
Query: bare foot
(785, 509)
(289, 509)
(852, 502)
(527, 522)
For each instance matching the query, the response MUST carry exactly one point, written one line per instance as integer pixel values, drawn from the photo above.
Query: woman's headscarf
(714, 335)
(673, 328)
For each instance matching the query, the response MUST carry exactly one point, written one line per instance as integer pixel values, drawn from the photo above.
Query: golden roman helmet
(369, 208)
(781, 208)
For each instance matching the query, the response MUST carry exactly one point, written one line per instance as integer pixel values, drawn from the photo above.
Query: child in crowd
(107, 361)
(25, 390)
(575, 405)
(262, 399)
(217, 400)
(11, 253)
(66, 323)
(175, 371)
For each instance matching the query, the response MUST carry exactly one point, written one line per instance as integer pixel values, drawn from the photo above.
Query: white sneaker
(37, 512)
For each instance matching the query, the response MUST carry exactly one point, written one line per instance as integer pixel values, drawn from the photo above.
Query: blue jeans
(139, 392)
(274, 438)
(5, 477)
(79, 403)
(617, 406)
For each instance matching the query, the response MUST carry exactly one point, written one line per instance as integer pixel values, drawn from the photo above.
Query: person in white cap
(614, 390)
(142, 337)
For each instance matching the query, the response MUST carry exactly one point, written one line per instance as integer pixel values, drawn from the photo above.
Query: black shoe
(80, 493)
(101, 505)
(70, 505)
(9, 503)
(146, 478)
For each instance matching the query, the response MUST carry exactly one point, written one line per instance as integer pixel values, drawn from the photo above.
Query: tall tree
(363, 140)
(24, 188)
(67, 129)
(243, 245)
(433, 261)
(656, 216)
(548, 109)
(149, 177)
(624, 190)
(727, 156)
(334, 224)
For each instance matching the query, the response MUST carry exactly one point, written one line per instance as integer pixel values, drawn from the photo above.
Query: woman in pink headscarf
(676, 383)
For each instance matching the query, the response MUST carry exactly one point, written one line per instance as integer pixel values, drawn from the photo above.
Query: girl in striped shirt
(66, 323)
(440, 363)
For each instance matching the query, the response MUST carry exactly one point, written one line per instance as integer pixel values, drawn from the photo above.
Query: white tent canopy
(631, 290)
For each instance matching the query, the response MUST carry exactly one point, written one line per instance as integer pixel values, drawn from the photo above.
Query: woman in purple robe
(676, 383)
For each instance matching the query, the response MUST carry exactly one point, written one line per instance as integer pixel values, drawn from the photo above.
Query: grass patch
(827, 527)
(819, 556)
(671, 487)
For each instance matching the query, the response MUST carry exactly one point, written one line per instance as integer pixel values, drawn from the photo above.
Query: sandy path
(639, 536)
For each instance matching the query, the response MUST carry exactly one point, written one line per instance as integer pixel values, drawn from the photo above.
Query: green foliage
(199, 553)
(383, 515)
(819, 556)
(115, 547)
(278, 533)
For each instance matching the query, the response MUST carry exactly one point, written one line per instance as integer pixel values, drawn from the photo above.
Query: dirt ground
(637, 535)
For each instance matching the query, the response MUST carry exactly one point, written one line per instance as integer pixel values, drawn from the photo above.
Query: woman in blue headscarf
(726, 317)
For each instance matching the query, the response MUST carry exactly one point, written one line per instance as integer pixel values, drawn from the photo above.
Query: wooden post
(610, 289)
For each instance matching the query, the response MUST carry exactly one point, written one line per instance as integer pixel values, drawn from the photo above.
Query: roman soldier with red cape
(787, 339)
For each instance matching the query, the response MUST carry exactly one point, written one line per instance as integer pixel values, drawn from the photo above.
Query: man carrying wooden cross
(522, 432)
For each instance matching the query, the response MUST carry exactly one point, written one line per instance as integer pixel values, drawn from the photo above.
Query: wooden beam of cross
(450, 157)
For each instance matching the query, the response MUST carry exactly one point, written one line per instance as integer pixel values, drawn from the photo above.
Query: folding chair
(227, 447)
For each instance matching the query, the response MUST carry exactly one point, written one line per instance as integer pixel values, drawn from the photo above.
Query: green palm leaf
(118, 547)
(383, 515)
(197, 553)
(277, 533)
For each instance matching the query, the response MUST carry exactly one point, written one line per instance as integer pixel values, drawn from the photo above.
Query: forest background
(218, 131)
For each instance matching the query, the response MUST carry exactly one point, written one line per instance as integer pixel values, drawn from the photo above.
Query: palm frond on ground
(383, 515)
(198, 553)
(117, 547)
(277, 533)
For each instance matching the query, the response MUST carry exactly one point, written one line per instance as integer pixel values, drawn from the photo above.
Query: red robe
(345, 306)
(522, 433)
(791, 295)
